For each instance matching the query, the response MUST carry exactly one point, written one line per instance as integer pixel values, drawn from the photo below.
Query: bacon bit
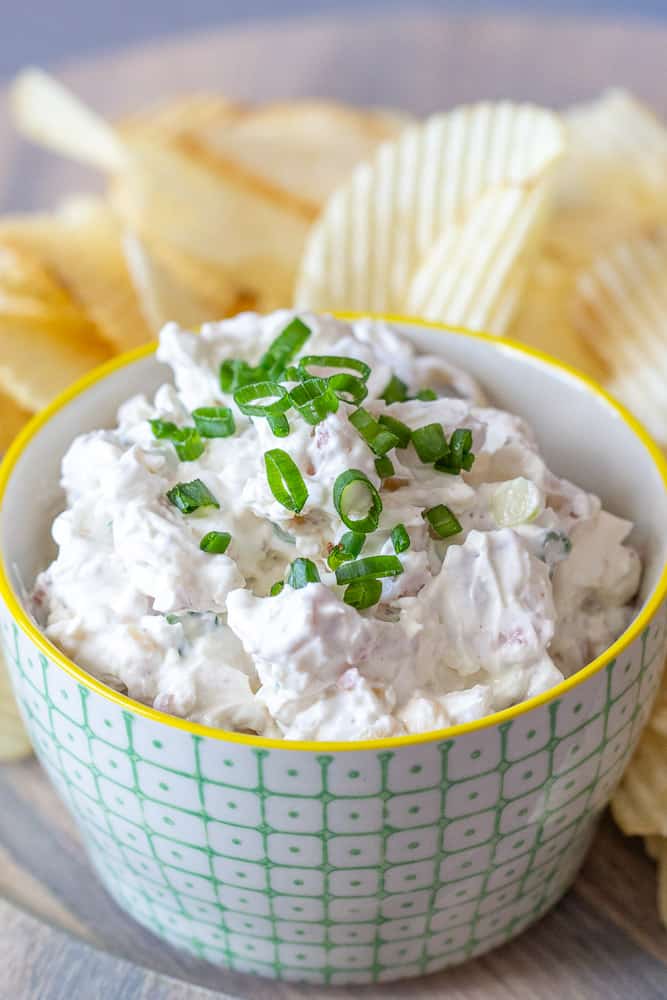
(395, 483)
(310, 469)
(330, 548)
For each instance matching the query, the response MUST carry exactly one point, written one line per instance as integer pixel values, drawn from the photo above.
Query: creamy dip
(391, 578)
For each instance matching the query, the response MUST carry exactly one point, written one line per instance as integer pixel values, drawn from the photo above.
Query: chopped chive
(348, 388)
(246, 399)
(277, 588)
(430, 443)
(397, 428)
(460, 443)
(163, 429)
(214, 421)
(314, 400)
(426, 395)
(215, 541)
(400, 539)
(349, 547)
(361, 594)
(395, 391)
(186, 440)
(279, 424)
(378, 439)
(384, 467)
(284, 347)
(334, 361)
(189, 497)
(442, 521)
(171, 619)
(370, 568)
(343, 497)
(284, 479)
(235, 373)
(302, 572)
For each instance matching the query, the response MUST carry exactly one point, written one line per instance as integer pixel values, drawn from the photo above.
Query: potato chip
(80, 249)
(37, 364)
(378, 228)
(51, 115)
(620, 312)
(640, 803)
(14, 742)
(173, 287)
(193, 113)
(12, 419)
(475, 271)
(661, 858)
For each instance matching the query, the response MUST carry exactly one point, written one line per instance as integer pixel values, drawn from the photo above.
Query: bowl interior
(582, 436)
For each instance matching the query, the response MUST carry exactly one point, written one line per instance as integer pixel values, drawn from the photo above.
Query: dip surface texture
(495, 580)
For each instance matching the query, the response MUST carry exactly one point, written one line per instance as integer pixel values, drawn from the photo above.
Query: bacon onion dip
(317, 533)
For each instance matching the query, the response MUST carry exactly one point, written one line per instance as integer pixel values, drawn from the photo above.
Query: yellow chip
(378, 229)
(12, 419)
(640, 803)
(14, 742)
(620, 311)
(474, 273)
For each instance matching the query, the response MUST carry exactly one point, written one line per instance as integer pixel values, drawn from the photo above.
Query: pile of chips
(548, 228)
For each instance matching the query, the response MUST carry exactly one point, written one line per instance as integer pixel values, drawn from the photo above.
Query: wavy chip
(640, 803)
(620, 312)
(378, 229)
(475, 272)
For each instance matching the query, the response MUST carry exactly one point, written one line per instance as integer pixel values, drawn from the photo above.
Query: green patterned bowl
(343, 862)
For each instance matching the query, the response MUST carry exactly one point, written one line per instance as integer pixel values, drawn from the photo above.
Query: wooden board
(62, 937)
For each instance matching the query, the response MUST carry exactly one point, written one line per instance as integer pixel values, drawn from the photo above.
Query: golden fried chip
(378, 229)
(640, 803)
(474, 273)
(14, 742)
(620, 312)
(12, 419)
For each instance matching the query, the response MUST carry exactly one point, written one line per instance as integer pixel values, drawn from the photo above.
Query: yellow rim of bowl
(54, 654)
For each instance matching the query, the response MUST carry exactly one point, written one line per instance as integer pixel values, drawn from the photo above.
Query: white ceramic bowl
(349, 862)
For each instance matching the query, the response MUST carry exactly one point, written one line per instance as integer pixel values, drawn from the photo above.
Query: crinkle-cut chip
(620, 311)
(214, 212)
(474, 273)
(543, 318)
(47, 112)
(172, 287)
(640, 803)
(14, 742)
(12, 419)
(38, 363)
(378, 227)
(81, 247)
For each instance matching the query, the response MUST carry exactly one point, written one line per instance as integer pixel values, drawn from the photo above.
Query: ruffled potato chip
(378, 229)
(14, 742)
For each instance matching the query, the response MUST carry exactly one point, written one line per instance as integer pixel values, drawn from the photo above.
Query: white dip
(536, 582)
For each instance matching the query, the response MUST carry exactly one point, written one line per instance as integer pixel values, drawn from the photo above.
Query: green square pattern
(337, 868)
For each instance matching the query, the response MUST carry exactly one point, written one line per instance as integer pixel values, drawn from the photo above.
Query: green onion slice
(384, 467)
(430, 443)
(279, 424)
(395, 391)
(277, 588)
(301, 573)
(246, 397)
(400, 430)
(333, 361)
(362, 594)
(284, 479)
(284, 347)
(235, 373)
(189, 497)
(378, 438)
(186, 440)
(214, 421)
(163, 429)
(349, 547)
(427, 395)
(442, 521)
(370, 568)
(460, 444)
(348, 388)
(346, 491)
(400, 539)
(314, 400)
(215, 541)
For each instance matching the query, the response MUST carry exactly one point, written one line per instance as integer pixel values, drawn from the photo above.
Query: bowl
(352, 862)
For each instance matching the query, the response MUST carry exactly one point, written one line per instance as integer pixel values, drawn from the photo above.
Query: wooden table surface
(62, 937)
